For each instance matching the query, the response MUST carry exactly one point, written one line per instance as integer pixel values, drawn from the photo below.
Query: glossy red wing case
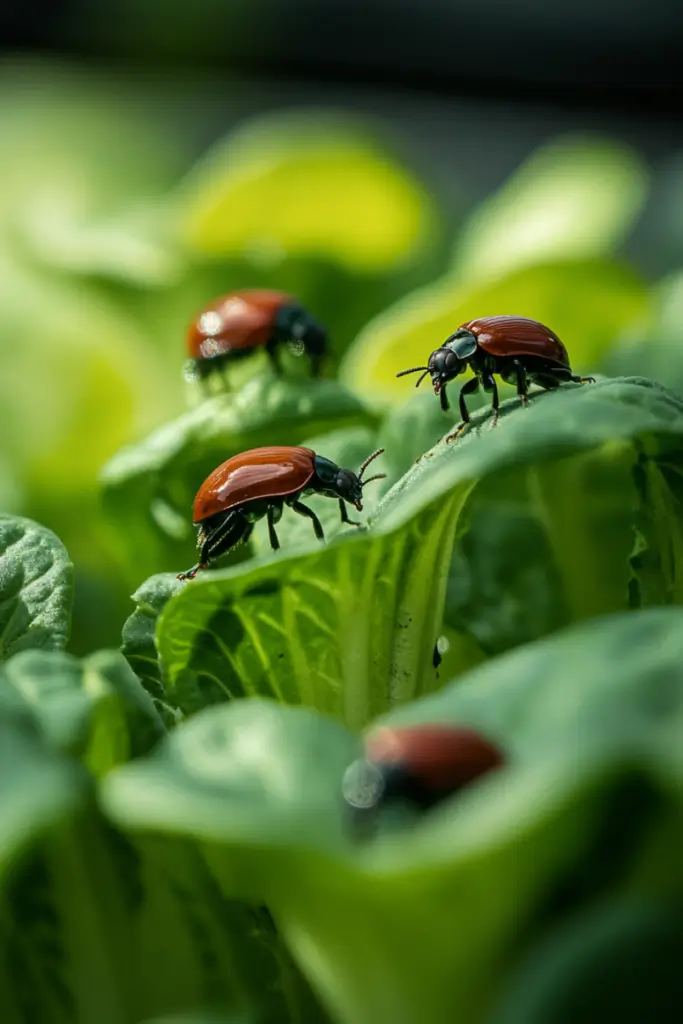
(259, 473)
(517, 336)
(237, 321)
(440, 757)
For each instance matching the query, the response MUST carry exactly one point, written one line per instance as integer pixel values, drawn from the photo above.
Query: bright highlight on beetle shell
(243, 322)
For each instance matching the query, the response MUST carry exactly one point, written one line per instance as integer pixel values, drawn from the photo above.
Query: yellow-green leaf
(575, 198)
(56, 331)
(305, 184)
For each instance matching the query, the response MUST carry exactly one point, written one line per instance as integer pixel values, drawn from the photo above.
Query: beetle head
(303, 333)
(448, 361)
(344, 483)
(314, 338)
(452, 358)
(444, 365)
(350, 488)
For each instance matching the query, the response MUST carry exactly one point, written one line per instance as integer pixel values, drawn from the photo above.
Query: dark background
(578, 52)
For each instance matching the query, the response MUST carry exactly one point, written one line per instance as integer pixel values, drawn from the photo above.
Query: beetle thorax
(462, 344)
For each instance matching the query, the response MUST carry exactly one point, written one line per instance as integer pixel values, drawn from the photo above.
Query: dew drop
(362, 784)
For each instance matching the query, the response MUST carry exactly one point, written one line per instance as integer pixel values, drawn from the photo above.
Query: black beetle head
(451, 359)
(444, 365)
(448, 361)
(349, 487)
(302, 332)
(344, 483)
(314, 338)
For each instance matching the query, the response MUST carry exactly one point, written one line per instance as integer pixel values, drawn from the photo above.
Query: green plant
(239, 808)
(173, 841)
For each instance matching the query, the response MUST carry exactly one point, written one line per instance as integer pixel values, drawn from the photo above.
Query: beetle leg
(274, 356)
(202, 372)
(468, 388)
(191, 573)
(205, 549)
(234, 530)
(521, 381)
(308, 513)
(203, 559)
(564, 374)
(345, 515)
(490, 385)
(444, 398)
(272, 535)
(226, 535)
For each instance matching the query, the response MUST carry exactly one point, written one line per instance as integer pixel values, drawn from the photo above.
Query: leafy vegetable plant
(175, 845)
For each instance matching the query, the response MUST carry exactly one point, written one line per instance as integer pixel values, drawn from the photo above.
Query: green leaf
(127, 246)
(590, 720)
(150, 487)
(551, 536)
(410, 430)
(205, 1018)
(36, 587)
(249, 757)
(40, 788)
(305, 183)
(575, 198)
(62, 183)
(617, 963)
(102, 929)
(138, 643)
(657, 350)
(555, 540)
(106, 382)
(68, 203)
(589, 303)
(657, 551)
(607, 682)
(544, 512)
(95, 709)
(95, 927)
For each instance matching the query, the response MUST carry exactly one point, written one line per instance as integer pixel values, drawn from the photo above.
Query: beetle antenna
(380, 451)
(413, 369)
(377, 476)
(421, 378)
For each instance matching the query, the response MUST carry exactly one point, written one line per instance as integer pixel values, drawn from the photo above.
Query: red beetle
(236, 324)
(518, 349)
(420, 764)
(259, 483)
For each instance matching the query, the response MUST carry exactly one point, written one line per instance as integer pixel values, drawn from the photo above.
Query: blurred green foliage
(163, 859)
(417, 925)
